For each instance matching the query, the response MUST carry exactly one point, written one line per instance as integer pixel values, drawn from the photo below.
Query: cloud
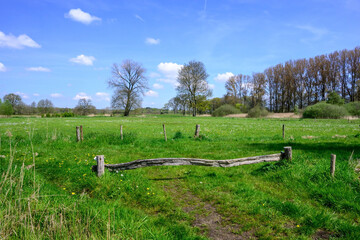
(152, 41)
(19, 42)
(36, 94)
(151, 93)
(223, 77)
(80, 16)
(158, 86)
(82, 95)
(169, 72)
(2, 67)
(56, 95)
(103, 96)
(211, 86)
(140, 18)
(83, 60)
(318, 33)
(38, 69)
(23, 95)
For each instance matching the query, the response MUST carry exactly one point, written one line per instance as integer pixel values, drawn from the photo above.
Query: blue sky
(64, 50)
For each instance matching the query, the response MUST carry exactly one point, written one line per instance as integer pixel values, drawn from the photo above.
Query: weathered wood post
(164, 132)
(287, 154)
(81, 133)
(77, 134)
(121, 132)
(100, 165)
(283, 131)
(332, 165)
(197, 131)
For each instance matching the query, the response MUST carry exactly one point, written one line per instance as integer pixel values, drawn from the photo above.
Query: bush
(325, 110)
(67, 114)
(225, 110)
(353, 108)
(334, 98)
(257, 111)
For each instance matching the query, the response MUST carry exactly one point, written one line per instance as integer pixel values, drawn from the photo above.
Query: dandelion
(120, 180)
(73, 193)
(263, 204)
(84, 174)
(298, 225)
(147, 188)
(148, 193)
(64, 188)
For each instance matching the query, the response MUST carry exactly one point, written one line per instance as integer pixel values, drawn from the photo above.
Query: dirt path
(206, 218)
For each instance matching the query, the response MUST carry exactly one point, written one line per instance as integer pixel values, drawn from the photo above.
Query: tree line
(300, 83)
(283, 87)
(12, 104)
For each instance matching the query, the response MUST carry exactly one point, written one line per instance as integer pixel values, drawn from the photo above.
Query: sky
(64, 50)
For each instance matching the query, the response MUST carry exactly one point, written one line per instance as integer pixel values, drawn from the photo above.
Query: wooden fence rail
(286, 155)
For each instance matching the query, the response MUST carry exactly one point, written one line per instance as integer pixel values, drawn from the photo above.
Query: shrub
(334, 98)
(225, 110)
(353, 108)
(67, 114)
(325, 110)
(257, 111)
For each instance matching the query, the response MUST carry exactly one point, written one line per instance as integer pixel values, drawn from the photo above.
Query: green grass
(62, 198)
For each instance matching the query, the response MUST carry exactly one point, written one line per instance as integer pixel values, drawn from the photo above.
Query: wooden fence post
(197, 131)
(332, 166)
(283, 131)
(287, 154)
(100, 165)
(77, 134)
(121, 132)
(81, 133)
(164, 132)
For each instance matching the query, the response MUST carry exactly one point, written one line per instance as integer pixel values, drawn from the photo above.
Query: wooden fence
(100, 167)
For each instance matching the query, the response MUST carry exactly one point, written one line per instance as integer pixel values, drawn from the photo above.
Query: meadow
(48, 191)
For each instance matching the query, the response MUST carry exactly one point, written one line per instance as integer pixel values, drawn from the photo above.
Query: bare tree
(45, 106)
(84, 107)
(192, 82)
(130, 83)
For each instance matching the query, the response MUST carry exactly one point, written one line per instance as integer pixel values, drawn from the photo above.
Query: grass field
(61, 198)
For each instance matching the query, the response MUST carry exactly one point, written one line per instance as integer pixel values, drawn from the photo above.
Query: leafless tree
(130, 83)
(192, 82)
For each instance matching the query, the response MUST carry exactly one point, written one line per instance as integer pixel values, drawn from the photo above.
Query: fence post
(197, 131)
(81, 133)
(283, 131)
(287, 155)
(121, 132)
(332, 165)
(164, 132)
(77, 134)
(100, 165)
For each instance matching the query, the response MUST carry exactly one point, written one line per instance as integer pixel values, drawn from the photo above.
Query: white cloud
(36, 94)
(140, 18)
(223, 77)
(81, 16)
(56, 95)
(211, 86)
(82, 95)
(23, 95)
(152, 41)
(84, 60)
(151, 93)
(103, 96)
(38, 69)
(158, 86)
(318, 33)
(19, 42)
(169, 72)
(2, 67)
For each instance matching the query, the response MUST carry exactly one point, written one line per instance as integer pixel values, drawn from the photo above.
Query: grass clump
(257, 112)
(353, 108)
(225, 110)
(325, 110)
